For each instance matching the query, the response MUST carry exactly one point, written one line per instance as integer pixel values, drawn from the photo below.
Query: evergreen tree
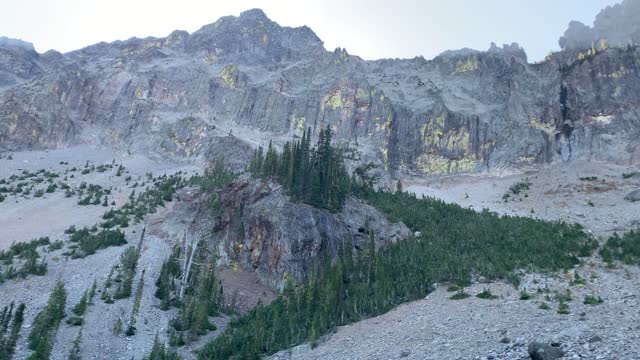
(46, 323)
(10, 324)
(316, 176)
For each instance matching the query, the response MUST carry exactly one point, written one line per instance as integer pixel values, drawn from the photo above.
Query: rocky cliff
(257, 227)
(249, 78)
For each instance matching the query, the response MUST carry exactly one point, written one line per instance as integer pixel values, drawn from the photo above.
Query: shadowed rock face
(259, 229)
(249, 78)
(616, 25)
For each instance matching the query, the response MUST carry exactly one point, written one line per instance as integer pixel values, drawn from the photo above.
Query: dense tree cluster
(126, 270)
(202, 298)
(315, 176)
(453, 244)
(166, 283)
(10, 324)
(625, 248)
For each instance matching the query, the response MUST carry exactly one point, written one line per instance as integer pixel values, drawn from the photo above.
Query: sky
(371, 29)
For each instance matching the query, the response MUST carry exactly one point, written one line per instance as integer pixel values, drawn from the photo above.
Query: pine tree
(46, 322)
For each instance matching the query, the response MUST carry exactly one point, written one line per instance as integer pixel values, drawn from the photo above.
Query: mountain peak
(254, 14)
(9, 42)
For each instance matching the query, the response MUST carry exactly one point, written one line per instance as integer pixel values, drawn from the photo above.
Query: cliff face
(258, 228)
(248, 77)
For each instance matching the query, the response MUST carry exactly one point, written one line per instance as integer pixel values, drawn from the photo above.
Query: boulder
(540, 351)
(633, 196)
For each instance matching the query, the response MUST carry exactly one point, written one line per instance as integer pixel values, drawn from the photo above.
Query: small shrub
(487, 295)
(563, 308)
(74, 321)
(117, 327)
(453, 288)
(544, 306)
(524, 295)
(56, 245)
(564, 297)
(593, 300)
(577, 280)
(459, 295)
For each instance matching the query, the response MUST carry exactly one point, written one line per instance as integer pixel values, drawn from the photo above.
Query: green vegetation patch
(46, 322)
(89, 242)
(487, 295)
(460, 295)
(11, 320)
(593, 300)
(625, 248)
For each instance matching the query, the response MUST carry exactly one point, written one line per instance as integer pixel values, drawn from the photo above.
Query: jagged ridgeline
(451, 244)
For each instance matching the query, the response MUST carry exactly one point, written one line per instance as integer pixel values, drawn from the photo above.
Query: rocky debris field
(501, 328)
(589, 193)
(23, 218)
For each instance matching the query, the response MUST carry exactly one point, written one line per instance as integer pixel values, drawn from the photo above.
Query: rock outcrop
(257, 227)
(539, 351)
(249, 78)
(616, 25)
(633, 196)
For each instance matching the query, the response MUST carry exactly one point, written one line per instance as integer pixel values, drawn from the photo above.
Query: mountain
(240, 81)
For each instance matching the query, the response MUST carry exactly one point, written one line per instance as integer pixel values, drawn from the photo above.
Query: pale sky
(371, 29)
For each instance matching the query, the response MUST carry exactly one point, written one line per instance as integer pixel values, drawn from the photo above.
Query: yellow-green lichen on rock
(619, 73)
(211, 58)
(229, 75)
(152, 44)
(468, 65)
(362, 94)
(296, 123)
(536, 123)
(457, 139)
(526, 159)
(140, 92)
(487, 147)
(438, 141)
(433, 130)
(438, 164)
(386, 125)
(333, 100)
(385, 157)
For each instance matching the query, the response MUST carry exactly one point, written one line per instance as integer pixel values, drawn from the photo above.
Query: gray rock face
(633, 196)
(539, 351)
(182, 96)
(260, 229)
(617, 25)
